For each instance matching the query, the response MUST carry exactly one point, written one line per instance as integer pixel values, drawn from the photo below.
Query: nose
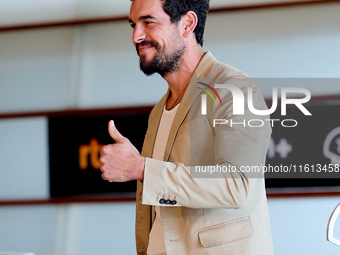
(138, 34)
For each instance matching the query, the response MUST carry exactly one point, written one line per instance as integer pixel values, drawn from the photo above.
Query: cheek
(176, 40)
(158, 36)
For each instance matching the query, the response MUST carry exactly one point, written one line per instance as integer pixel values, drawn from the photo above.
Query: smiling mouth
(145, 45)
(143, 48)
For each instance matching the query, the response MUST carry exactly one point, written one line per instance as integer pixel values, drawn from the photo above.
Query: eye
(133, 25)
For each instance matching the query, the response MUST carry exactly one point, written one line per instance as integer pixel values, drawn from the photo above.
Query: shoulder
(210, 67)
(222, 70)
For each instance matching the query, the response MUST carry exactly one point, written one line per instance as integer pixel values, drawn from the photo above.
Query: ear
(189, 24)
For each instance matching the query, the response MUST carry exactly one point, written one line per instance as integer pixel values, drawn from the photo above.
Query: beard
(162, 63)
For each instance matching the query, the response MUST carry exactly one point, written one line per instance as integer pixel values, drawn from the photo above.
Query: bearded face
(167, 58)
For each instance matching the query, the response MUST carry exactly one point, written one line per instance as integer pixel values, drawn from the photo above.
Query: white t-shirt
(156, 242)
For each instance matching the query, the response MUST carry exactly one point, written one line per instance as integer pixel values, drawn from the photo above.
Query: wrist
(140, 167)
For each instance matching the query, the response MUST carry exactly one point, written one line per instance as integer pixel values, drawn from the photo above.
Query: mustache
(147, 43)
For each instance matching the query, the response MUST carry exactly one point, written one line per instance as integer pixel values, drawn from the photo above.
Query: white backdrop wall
(96, 66)
(18, 12)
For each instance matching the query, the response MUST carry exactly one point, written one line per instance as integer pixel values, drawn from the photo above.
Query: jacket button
(168, 202)
(173, 202)
(162, 201)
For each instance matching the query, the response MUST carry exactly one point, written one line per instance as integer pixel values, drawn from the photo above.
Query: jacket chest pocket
(226, 232)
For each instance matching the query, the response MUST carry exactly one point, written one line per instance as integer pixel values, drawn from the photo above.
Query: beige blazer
(226, 214)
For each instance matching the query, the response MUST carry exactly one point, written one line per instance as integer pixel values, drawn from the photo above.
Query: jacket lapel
(154, 120)
(182, 112)
(202, 71)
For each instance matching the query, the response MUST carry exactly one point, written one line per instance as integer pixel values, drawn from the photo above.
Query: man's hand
(121, 162)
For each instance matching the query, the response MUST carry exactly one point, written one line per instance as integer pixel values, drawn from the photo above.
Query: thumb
(114, 133)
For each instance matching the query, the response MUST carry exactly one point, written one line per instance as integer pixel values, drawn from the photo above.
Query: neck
(178, 80)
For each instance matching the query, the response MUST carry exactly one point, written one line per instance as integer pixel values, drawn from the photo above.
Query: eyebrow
(143, 18)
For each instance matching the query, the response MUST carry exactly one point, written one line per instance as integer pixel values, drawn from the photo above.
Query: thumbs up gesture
(121, 161)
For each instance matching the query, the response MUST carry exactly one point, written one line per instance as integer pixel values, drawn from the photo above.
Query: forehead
(140, 8)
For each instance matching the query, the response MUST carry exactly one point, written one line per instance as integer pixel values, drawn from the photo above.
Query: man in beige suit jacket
(225, 213)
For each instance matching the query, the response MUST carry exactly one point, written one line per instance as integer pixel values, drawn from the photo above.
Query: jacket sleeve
(223, 173)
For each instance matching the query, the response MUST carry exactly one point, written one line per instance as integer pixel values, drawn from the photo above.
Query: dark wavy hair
(176, 9)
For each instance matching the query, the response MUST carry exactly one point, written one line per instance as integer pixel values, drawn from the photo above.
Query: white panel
(35, 11)
(99, 229)
(96, 66)
(41, 11)
(110, 75)
(275, 43)
(27, 229)
(35, 69)
(104, 8)
(299, 225)
(263, 43)
(233, 3)
(24, 159)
